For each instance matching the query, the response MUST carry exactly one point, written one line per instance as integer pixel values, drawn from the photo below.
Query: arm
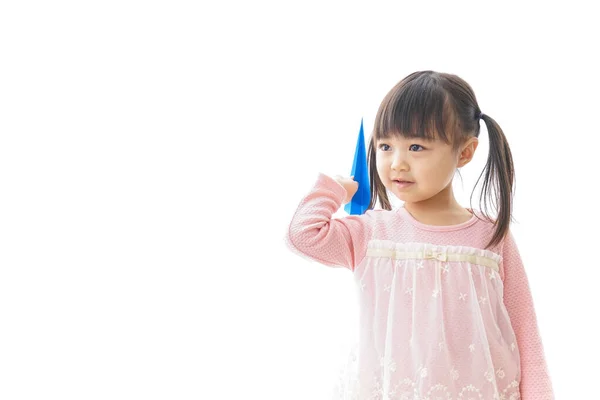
(313, 232)
(535, 379)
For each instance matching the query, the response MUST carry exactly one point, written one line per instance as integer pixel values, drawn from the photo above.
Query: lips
(403, 184)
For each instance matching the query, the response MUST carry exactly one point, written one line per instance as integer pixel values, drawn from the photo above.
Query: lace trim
(446, 254)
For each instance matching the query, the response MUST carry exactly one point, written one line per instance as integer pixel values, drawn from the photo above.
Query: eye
(384, 144)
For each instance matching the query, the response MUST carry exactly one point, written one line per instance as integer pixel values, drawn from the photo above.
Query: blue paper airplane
(361, 199)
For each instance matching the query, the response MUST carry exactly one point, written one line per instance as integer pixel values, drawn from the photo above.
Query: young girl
(445, 308)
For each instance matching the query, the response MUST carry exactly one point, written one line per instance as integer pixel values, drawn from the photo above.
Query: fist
(349, 184)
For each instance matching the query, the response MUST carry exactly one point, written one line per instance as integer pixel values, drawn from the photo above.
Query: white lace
(432, 326)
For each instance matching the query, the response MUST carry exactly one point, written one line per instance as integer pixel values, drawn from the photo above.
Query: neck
(442, 203)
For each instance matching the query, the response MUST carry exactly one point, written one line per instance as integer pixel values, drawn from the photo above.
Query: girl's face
(430, 165)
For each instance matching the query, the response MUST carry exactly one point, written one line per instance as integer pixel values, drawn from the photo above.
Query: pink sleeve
(335, 242)
(535, 378)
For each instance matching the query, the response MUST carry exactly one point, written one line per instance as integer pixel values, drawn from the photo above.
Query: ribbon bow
(437, 256)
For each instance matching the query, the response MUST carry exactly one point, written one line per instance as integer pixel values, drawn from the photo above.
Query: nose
(399, 162)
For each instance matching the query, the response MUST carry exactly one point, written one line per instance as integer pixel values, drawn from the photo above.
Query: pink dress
(440, 318)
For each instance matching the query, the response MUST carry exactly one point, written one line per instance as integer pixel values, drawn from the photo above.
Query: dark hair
(434, 105)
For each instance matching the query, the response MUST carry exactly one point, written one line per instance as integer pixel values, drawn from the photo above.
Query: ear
(467, 152)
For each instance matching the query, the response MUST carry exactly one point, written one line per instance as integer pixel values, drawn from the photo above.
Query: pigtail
(499, 173)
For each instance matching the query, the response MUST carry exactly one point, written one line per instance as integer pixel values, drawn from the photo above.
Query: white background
(152, 155)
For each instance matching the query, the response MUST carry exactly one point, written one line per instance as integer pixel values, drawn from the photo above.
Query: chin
(400, 196)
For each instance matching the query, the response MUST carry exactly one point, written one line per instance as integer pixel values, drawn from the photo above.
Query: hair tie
(480, 116)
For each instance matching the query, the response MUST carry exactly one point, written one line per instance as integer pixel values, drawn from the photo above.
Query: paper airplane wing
(361, 199)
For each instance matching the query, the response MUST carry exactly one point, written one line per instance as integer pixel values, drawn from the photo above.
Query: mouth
(402, 184)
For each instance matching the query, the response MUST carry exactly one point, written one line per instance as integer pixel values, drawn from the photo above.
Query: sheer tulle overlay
(432, 326)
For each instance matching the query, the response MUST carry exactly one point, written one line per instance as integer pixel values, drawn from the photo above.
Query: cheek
(381, 172)
(442, 171)
(380, 164)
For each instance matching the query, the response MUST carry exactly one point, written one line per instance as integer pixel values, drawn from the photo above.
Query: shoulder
(485, 222)
(485, 219)
(380, 214)
(372, 220)
(370, 216)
